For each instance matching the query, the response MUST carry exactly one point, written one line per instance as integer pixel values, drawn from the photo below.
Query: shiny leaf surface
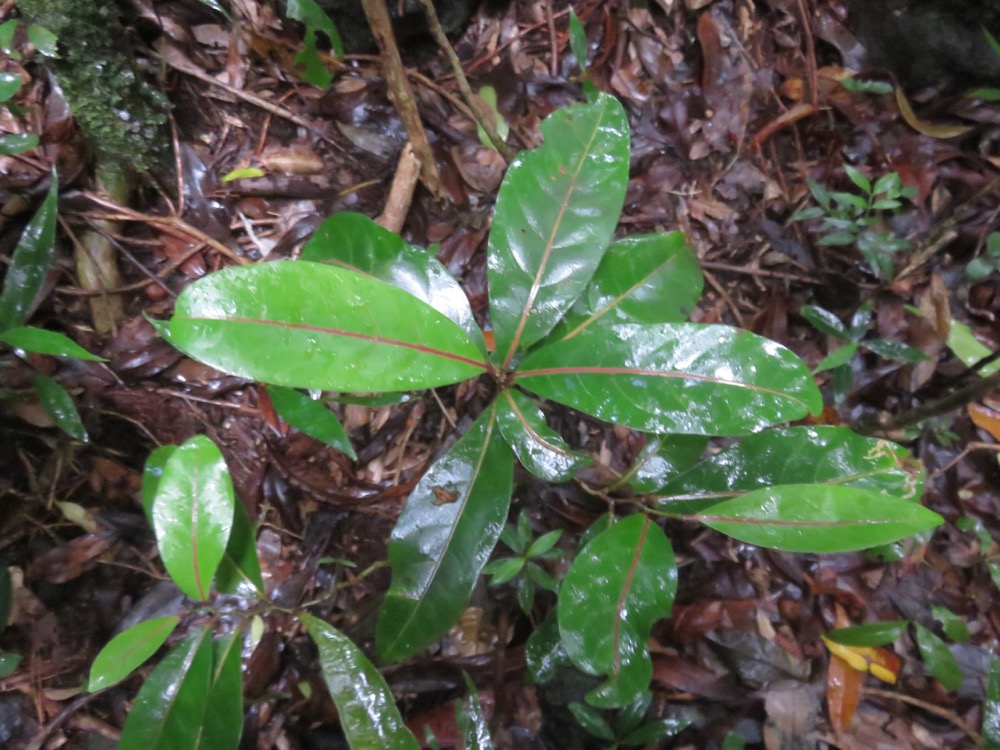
(31, 261)
(472, 720)
(193, 515)
(59, 405)
(794, 455)
(312, 417)
(128, 650)
(168, 710)
(368, 713)
(443, 538)
(870, 634)
(239, 568)
(337, 331)
(353, 241)
(843, 692)
(674, 378)
(622, 582)
(17, 143)
(818, 518)
(223, 715)
(152, 472)
(939, 659)
(663, 457)
(539, 448)
(42, 341)
(652, 278)
(555, 214)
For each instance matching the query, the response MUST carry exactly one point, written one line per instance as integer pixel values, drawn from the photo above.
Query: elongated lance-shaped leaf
(353, 241)
(556, 211)
(818, 518)
(193, 515)
(46, 342)
(794, 455)
(168, 711)
(471, 719)
(674, 378)
(59, 405)
(128, 650)
(663, 457)
(239, 568)
(652, 278)
(991, 710)
(444, 537)
(222, 724)
(539, 448)
(622, 582)
(309, 325)
(31, 261)
(312, 417)
(938, 658)
(368, 714)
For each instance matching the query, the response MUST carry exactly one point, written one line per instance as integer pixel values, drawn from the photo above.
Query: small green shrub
(577, 319)
(856, 218)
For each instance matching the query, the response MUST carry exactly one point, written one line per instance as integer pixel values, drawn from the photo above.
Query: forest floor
(733, 106)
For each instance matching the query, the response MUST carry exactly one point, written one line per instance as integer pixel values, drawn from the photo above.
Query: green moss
(119, 111)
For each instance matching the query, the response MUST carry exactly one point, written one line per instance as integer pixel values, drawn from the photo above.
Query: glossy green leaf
(592, 721)
(870, 635)
(312, 417)
(837, 358)
(17, 143)
(10, 84)
(578, 40)
(129, 650)
(504, 570)
(652, 278)
(674, 378)
(222, 724)
(41, 341)
(443, 538)
(309, 325)
(657, 731)
(555, 214)
(152, 472)
(59, 405)
(368, 713)
(43, 40)
(953, 626)
(543, 652)
(622, 582)
(896, 351)
(938, 658)
(193, 515)
(662, 458)
(312, 15)
(818, 518)
(539, 448)
(353, 241)
(31, 261)
(795, 455)
(825, 321)
(472, 721)
(991, 710)
(239, 569)
(168, 711)
(9, 662)
(963, 342)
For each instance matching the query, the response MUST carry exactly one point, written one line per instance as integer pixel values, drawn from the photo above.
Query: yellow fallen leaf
(880, 662)
(927, 128)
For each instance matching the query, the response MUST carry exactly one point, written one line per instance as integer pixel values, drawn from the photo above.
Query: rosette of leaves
(581, 320)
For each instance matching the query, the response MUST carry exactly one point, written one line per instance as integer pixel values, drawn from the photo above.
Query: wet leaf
(543, 652)
(438, 548)
(368, 713)
(963, 342)
(622, 582)
(168, 711)
(193, 515)
(10, 84)
(555, 214)
(239, 568)
(312, 417)
(338, 331)
(818, 518)
(472, 721)
(677, 378)
(539, 448)
(795, 455)
(843, 691)
(59, 405)
(991, 711)
(894, 350)
(129, 650)
(9, 663)
(315, 19)
(42, 341)
(222, 725)
(17, 143)
(837, 358)
(31, 261)
(152, 472)
(662, 459)
(656, 731)
(643, 279)
(578, 40)
(825, 321)
(870, 634)
(938, 658)
(353, 241)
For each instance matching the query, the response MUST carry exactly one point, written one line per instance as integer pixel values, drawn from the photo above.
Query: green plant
(578, 320)
(22, 285)
(524, 569)
(983, 265)
(856, 218)
(853, 337)
(628, 727)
